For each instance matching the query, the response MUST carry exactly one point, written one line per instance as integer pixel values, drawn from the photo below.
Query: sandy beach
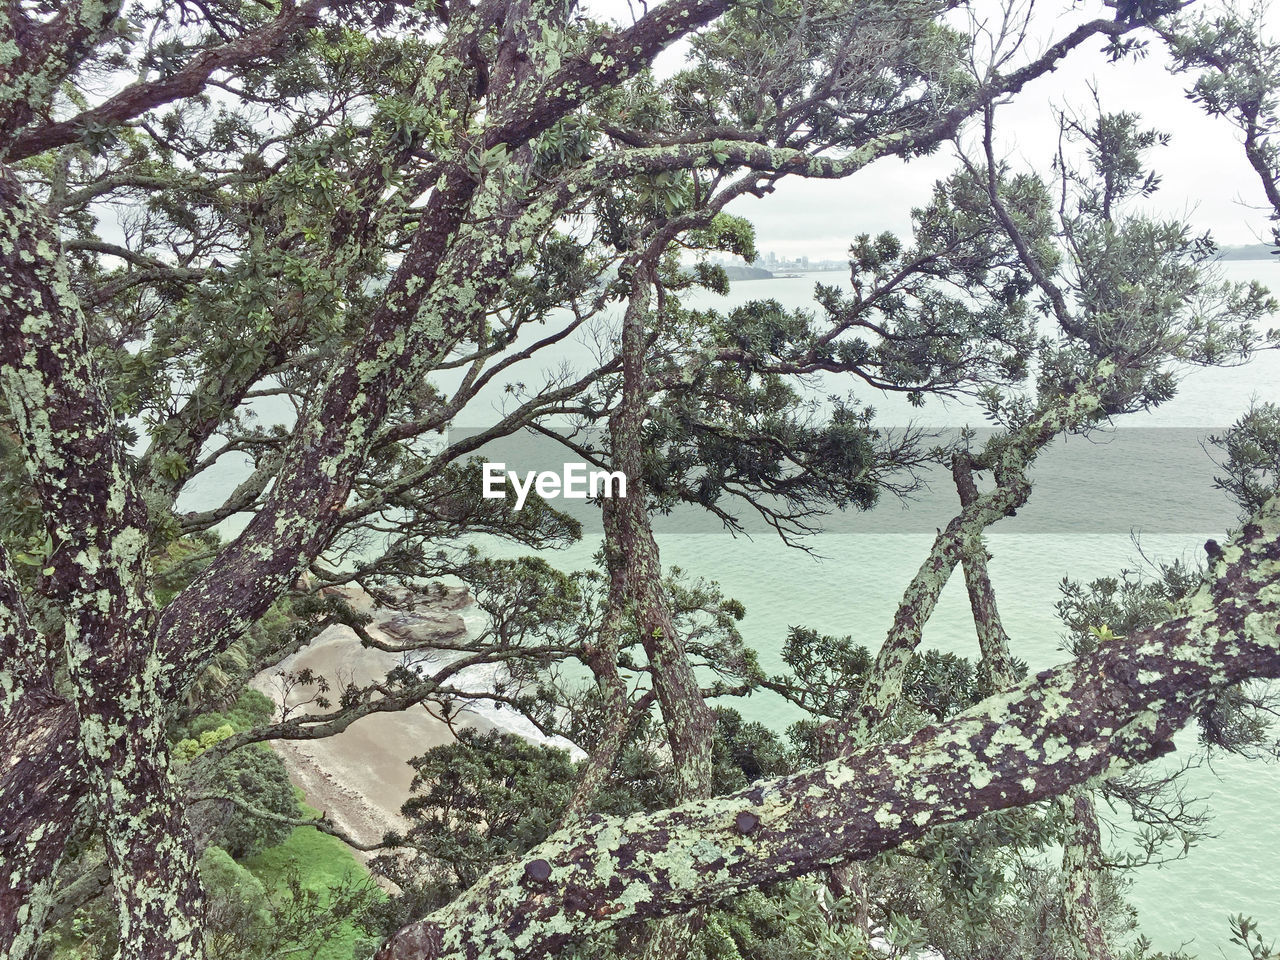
(360, 777)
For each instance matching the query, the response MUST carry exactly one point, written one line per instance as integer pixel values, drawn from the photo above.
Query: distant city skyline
(772, 261)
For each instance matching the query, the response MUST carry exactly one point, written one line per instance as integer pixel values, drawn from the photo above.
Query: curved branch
(322, 823)
(137, 98)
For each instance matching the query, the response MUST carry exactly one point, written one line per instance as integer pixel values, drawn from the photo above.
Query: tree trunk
(96, 571)
(635, 568)
(1082, 867)
(635, 577)
(883, 687)
(993, 641)
(42, 785)
(1082, 841)
(148, 845)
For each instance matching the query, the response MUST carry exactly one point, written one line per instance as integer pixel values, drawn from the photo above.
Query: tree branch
(137, 98)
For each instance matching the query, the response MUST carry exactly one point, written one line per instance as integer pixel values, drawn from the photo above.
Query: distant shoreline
(1251, 251)
(1257, 252)
(737, 274)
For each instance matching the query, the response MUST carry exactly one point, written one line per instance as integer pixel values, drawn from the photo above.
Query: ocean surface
(1099, 504)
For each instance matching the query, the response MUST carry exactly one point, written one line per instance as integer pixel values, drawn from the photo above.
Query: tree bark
(39, 56)
(1082, 840)
(993, 641)
(883, 687)
(1081, 868)
(635, 568)
(97, 570)
(42, 786)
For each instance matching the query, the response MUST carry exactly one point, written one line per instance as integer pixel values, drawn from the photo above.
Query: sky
(1206, 177)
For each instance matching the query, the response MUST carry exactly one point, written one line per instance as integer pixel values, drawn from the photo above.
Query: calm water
(1091, 497)
(1153, 485)
(855, 589)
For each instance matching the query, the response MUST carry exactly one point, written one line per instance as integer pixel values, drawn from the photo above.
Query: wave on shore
(361, 776)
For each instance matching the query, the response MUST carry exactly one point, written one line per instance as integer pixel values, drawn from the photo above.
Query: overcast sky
(1205, 174)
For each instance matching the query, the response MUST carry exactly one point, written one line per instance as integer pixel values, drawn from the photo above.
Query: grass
(323, 862)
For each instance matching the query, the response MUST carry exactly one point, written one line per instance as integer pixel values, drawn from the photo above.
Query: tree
(1233, 54)
(329, 202)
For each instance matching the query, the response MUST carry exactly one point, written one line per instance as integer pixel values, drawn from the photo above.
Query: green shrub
(256, 777)
(238, 924)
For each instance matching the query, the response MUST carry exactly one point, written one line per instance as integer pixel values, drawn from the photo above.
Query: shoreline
(359, 778)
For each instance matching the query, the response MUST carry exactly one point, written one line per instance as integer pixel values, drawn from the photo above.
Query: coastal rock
(427, 598)
(357, 597)
(431, 627)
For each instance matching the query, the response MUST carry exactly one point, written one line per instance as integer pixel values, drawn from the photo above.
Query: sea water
(1140, 491)
(855, 586)
(1099, 505)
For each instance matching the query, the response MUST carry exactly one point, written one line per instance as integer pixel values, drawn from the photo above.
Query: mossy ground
(322, 862)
